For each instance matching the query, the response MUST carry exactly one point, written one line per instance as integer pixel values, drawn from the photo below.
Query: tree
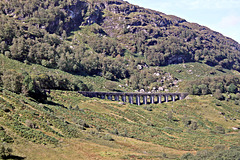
(27, 84)
(196, 90)
(204, 89)
(218, 95)
(232, 88)
(5, 151)
(19, 49)
(12, 81)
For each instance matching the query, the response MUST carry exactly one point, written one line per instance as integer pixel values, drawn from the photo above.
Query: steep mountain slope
(108, 28)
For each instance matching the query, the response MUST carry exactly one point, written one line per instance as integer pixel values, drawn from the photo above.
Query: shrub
(82, 123)
(186, 121)
(187, 156)
(218, 95)
(220, 130)
(98, 128)
(219, 147)
(125, 134)
(236, 102)
(204, 154)
(204, 89)
(4, 137)
(218, 103)
(232, 88)
(228, 155)
(194, 125)
(149, 123)
(170, 115)
(196, 90)
(5, 151)
(30, 124)
(108, 137)
(115, 132)
(238, 96)
(12, 81)
(77, 108)
(148, 108)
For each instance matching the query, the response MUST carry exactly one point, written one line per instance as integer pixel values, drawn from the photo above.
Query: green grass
(193, 71)
(133, 123)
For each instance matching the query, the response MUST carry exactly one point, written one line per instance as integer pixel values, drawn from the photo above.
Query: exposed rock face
(75, 12)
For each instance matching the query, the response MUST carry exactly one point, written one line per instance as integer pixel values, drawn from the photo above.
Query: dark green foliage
(196, 90)
(150, 79)
(12, 81)
(215, 85)
(232, 88)
(34, 85)
(22, 83)
(236, 102)
(204, 89)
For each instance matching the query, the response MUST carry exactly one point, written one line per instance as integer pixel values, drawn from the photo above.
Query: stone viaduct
(137, 98)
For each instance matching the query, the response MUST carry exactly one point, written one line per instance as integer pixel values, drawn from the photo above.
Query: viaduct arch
(136, 98)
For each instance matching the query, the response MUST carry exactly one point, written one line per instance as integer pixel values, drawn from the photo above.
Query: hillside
(85, 37)
(70, 126)
(49, 50)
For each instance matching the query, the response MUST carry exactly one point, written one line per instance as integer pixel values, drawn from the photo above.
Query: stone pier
(137, 96)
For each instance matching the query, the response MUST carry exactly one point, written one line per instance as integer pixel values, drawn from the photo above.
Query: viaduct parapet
(136, 98)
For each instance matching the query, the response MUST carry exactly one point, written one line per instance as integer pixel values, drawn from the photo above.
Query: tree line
(215, 85)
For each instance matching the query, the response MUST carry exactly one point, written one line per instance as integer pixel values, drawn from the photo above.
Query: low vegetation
(49, 50)
(187, 125)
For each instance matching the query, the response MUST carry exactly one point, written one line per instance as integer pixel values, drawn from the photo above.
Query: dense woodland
(82, 37)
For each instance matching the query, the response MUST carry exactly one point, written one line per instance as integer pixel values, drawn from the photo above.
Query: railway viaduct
(136, 98)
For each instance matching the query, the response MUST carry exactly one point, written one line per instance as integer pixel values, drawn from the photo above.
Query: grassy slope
(166, 136)
(193, 71)
(149, 134)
